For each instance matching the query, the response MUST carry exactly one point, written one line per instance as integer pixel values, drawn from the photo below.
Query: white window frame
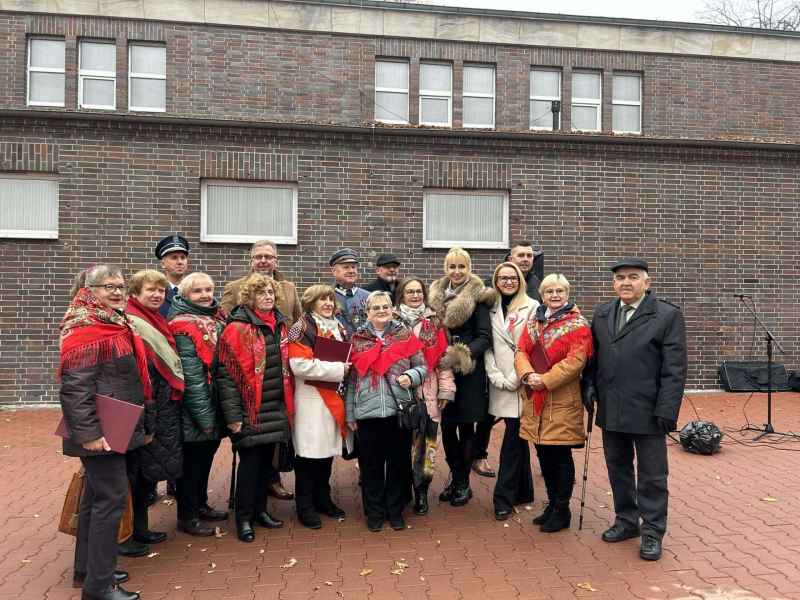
(39, 234)
(62, 71)
(590, 102)
(393, 90)
(436, 94)
(132, 75)
(532, 97)
(480, 95)
(245, 239)
(492, 245)
(615, 102)
(84, 74)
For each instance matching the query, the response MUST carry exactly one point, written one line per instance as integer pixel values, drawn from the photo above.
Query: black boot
(447, 492)
(461, 495)
(559, 519)
(421, 500)
(548, 510)
(244, 530)
(551, 500)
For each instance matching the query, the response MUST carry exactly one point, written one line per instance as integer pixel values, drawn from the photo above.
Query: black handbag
(283, 459)
(409, 412)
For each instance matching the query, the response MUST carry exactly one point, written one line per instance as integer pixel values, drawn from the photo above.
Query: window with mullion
(436, 94)
(479, 96)
(545, 88)
(97, 78)
(626, 101)
(45, 72)
(147, 77)
(587, 95)
(391, 91)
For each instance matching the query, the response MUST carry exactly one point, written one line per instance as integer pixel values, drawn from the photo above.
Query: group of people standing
(453, 358)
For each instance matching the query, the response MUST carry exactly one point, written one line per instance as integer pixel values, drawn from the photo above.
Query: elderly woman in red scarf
(388, 362)
(101, 353)
(552, 351)
(162, 457)
(437, 389)
(195, 319)
(318, 427)
(255, 388)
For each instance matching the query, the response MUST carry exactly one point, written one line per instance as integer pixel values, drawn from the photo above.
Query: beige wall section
(427, 22)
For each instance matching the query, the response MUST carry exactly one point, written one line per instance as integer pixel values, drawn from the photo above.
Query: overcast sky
(660, 10)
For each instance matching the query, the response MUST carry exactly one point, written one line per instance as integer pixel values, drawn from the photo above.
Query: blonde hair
(148, 276)
(185, 286)
(457, 252)
(252, 285)
(554, 279)
(521, 297)
(377, 294)
(314, 293)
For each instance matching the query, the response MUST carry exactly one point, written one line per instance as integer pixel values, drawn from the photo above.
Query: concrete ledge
(372, 18)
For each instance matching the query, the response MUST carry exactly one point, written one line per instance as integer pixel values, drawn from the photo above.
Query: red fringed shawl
(92, 334)
(434, 342)
(566, 335)
(242, 349)
(377, 355)
(202, 330)
(159, 323)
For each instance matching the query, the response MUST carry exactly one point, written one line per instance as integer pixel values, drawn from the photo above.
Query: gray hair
(377, 294)
(94, 275)
(185, 286)
(554, 279)
(259, 243)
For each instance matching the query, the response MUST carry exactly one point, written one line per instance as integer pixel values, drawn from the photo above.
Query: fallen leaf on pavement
(219, 532)
(587, 587)
(365, 572)
(152, 555)
(328, 583)
(397, 571)
(769, 499)
(292, 562)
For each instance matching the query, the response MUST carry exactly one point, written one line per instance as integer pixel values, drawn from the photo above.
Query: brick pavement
(733, 533)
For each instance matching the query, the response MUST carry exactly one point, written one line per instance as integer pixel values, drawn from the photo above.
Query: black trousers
(252, 480)
(385, 460)
(312, 483)
(558, 471)
(140, 489)
(193, 486)
(483, 433)
(645, 494)
(459, 441)
(514, 477)
(105, 493)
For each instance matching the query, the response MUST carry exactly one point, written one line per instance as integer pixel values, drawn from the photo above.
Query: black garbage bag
(701, 437)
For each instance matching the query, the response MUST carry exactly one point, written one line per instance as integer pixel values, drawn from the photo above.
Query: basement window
(466, 218)
(28, 206)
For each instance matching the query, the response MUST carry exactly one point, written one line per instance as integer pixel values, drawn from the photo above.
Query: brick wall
(270, 75)
(711, 222)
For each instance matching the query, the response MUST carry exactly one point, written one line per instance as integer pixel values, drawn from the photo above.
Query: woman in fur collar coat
(462, 303)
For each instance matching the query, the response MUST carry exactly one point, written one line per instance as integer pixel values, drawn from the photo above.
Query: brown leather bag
(68, 523)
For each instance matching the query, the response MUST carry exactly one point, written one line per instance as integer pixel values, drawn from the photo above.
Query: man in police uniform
(173, 252)
(637, 376)
(351, 300)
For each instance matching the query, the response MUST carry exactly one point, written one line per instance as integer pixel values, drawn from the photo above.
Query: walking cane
(586, 464)
(232, 495)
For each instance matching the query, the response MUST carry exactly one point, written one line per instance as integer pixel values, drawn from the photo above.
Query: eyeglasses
(555, 292)
(508, 279)
(112, 288)
(413, 292)
(260, 257)
(378, 307)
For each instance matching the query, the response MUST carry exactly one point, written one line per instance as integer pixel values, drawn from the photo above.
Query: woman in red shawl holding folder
(101, 353)
(552, 352)
(387, 363)
(255, 390)
(162, 457)
(319, 427)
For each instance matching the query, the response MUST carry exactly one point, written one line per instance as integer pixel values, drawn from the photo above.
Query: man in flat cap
(637, 376)
(351, 300)
(387, 271)
(173, 252)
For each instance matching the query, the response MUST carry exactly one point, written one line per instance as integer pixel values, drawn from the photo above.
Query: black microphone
(741, 296)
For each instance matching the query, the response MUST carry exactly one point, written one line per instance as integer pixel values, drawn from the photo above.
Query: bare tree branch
(782, 15)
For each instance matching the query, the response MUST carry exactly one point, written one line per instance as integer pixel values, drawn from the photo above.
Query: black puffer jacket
(272, 423)
(118, 378)
(163, 458)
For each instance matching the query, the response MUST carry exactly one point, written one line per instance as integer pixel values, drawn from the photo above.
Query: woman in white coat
(319, 419)
(508, 316)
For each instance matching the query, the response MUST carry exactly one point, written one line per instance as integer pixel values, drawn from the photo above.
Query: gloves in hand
(666, 425)
(589, 398)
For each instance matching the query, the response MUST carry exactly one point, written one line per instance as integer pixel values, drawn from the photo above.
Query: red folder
(330, 350)
(117, 418)
(539, 360)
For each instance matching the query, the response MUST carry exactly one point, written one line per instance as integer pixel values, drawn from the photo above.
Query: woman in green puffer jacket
(195, 320)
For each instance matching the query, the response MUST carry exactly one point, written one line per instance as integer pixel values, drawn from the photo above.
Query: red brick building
(394, 127)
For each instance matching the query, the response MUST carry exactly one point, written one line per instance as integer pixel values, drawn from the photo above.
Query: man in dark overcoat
(637, 376)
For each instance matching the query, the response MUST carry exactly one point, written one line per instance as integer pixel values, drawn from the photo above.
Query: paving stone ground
(733, 531)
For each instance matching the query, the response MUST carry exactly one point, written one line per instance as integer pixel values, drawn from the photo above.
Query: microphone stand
(770, 340)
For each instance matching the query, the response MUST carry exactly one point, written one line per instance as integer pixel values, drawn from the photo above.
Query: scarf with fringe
(202, 330)
(377, 354)
(159, 344)
(92, 334)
